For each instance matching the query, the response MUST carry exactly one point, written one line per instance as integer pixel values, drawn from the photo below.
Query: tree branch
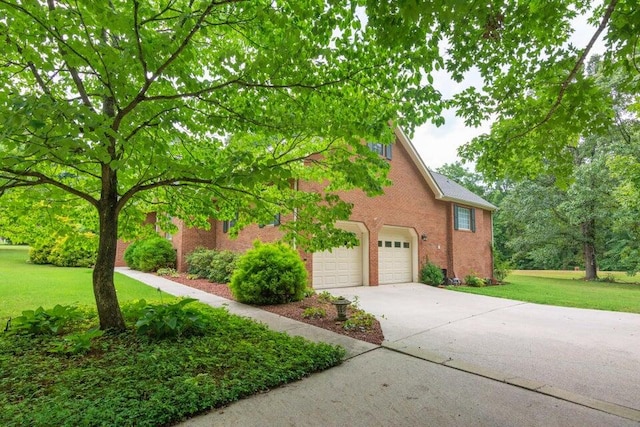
(565, 84)
(42, 179)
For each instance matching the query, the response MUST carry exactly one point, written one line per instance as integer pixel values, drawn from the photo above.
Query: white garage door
(341, 267)
(394, 257)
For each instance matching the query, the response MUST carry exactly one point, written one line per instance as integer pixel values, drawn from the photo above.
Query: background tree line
(589, 218)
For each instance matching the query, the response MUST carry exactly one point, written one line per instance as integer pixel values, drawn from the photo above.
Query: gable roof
(443, 188)
(457, 193)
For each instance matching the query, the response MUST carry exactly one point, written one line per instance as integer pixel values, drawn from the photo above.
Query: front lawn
(27, 286)
(131, 379)
(565, 289)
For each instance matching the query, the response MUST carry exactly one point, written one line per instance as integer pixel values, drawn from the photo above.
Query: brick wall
(472, 250)
(186, 240)
(409, 203)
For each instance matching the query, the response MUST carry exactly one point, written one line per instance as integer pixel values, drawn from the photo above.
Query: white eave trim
(424, 171)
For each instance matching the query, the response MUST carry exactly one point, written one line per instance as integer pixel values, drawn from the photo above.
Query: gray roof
(453, 191)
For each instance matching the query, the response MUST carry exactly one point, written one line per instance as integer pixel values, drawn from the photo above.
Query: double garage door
(343, 267)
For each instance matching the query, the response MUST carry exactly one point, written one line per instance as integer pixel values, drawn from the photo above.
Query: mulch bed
(294, 310)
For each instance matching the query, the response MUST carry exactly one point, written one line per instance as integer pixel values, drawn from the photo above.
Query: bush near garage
(150, 254)
(431, 274)
(270, 273)
(474, 281)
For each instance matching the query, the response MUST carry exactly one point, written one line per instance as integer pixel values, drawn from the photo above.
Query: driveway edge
(524, 383)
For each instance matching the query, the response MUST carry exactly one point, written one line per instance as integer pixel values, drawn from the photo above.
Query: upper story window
(276, 221)
(464, 218)
(383, 149)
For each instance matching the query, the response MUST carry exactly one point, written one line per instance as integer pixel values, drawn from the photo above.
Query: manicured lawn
(565, 288)
(25, 286)
(129, 378)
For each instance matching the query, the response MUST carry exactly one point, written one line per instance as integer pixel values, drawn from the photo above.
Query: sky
(439, 145)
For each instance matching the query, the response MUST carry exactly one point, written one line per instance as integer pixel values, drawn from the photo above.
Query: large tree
(215, 108)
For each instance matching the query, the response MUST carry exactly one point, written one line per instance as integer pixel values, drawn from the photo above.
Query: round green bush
(129, 253)
(150, 254)
(431, 274)
(270, 273)
(222, 267)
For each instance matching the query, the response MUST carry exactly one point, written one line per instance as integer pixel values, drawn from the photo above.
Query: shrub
(501, 268)
(431, 274)
(269, 274)
(474, 281)
(75, 250)
(40, 250)
(129, 253)
(150, 254)
(199, 262)
(222, 266)
(216, 266)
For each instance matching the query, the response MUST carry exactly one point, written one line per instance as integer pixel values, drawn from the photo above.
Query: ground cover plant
(566, 288)
(134, 379)
(27, 286)
(176, 358)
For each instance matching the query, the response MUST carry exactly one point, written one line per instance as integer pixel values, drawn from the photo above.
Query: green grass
(567, 289)
(128, 379)
(26, 286)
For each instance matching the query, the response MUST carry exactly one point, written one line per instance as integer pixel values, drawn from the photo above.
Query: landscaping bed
(127, 379)
(295, 310)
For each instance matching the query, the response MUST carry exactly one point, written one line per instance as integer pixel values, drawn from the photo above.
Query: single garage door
(342, 267)
(395, 253)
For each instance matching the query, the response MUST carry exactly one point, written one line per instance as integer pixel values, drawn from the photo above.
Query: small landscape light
(341, 307)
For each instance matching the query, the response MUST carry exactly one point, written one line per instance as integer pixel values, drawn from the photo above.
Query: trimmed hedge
(270, 273)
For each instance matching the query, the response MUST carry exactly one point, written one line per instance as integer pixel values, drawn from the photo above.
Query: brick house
(423, 216)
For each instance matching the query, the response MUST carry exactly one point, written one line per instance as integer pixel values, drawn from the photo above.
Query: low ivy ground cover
(566, 289)
(129, 379)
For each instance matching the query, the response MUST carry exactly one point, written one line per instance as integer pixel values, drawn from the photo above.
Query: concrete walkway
(398, 385)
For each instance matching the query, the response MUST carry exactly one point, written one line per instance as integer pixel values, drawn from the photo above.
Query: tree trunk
(104, 288)
(589, 236)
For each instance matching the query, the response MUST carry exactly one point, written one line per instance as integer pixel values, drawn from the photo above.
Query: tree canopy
(213, 108)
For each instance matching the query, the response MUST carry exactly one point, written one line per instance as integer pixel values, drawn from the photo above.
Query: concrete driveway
(591, 353)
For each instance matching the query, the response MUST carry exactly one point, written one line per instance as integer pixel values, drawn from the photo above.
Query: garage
(342, 267)
(396, 248)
